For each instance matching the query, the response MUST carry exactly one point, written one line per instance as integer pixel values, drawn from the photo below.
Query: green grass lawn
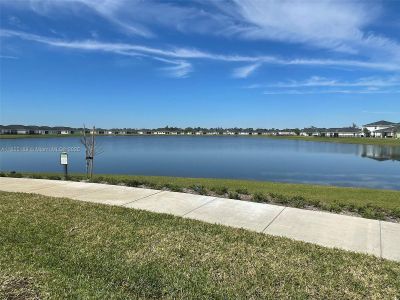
(355, 140)
(53, 248)
(368, 203)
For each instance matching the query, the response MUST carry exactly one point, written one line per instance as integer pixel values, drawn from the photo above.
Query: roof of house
(313, 129)
(14, 127)
(389, 129)
(344, 129)
(62, 128)
(33, 127)
(381, 123)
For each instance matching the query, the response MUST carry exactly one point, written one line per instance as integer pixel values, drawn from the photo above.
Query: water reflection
(255, 158)
(380, 153)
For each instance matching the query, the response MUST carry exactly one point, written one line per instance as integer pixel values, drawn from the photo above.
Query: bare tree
(91, 150)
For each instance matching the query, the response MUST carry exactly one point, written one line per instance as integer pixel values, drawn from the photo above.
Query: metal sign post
(64, 162)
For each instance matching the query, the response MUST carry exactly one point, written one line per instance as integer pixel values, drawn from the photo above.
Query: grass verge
(355, 140)
(63, 249)
(367, 203)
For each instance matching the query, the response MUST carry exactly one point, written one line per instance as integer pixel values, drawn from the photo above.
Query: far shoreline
(339, 140)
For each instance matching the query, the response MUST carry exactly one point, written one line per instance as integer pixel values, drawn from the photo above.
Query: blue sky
(127, 63)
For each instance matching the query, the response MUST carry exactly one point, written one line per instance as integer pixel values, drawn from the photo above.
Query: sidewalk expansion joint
(380, 238)
(142, 198)
(39, 189)
(199, 207)
(274, 219)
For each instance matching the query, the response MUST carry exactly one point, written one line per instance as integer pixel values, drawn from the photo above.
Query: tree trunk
(92, 153)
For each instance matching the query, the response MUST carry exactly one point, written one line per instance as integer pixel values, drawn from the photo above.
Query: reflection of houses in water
(380, 153)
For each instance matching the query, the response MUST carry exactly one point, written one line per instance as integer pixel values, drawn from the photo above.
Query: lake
(255, 158)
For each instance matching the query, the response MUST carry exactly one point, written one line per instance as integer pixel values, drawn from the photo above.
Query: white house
(22, 131)
(286, 132)
(390, 132)
(313, 131)
(343, 132)
(377, 126)
(268, 132)
(228, 133)
(14, 129)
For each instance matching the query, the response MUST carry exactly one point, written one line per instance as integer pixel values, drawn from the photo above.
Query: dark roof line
(382, 123)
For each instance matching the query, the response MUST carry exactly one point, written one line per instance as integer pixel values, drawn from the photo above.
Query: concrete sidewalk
(375, 237)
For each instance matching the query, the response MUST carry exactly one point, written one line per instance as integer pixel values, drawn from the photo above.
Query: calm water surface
(218, 157)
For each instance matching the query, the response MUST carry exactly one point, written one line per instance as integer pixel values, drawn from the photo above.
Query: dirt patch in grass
(18, 288)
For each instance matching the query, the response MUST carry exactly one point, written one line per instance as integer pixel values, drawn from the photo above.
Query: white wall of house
(286, 133)
(310, 134)
(343, 134)
(372, 129)
(389, 133)
(349, 134)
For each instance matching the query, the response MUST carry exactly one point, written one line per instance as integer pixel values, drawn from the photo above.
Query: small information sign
(64, 158)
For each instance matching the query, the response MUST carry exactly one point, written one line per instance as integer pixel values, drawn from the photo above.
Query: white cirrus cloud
(322, 23)
(179, 68)
(244, 72)
(381, 112)
(329, 91)
(333, 25)
(191, 53)
(8, 57)
(317, 81)
(118, 12)
(336, 25)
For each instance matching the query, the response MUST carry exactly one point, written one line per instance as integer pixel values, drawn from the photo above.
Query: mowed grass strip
(63, 249)
(345, 140)
(367, 203)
